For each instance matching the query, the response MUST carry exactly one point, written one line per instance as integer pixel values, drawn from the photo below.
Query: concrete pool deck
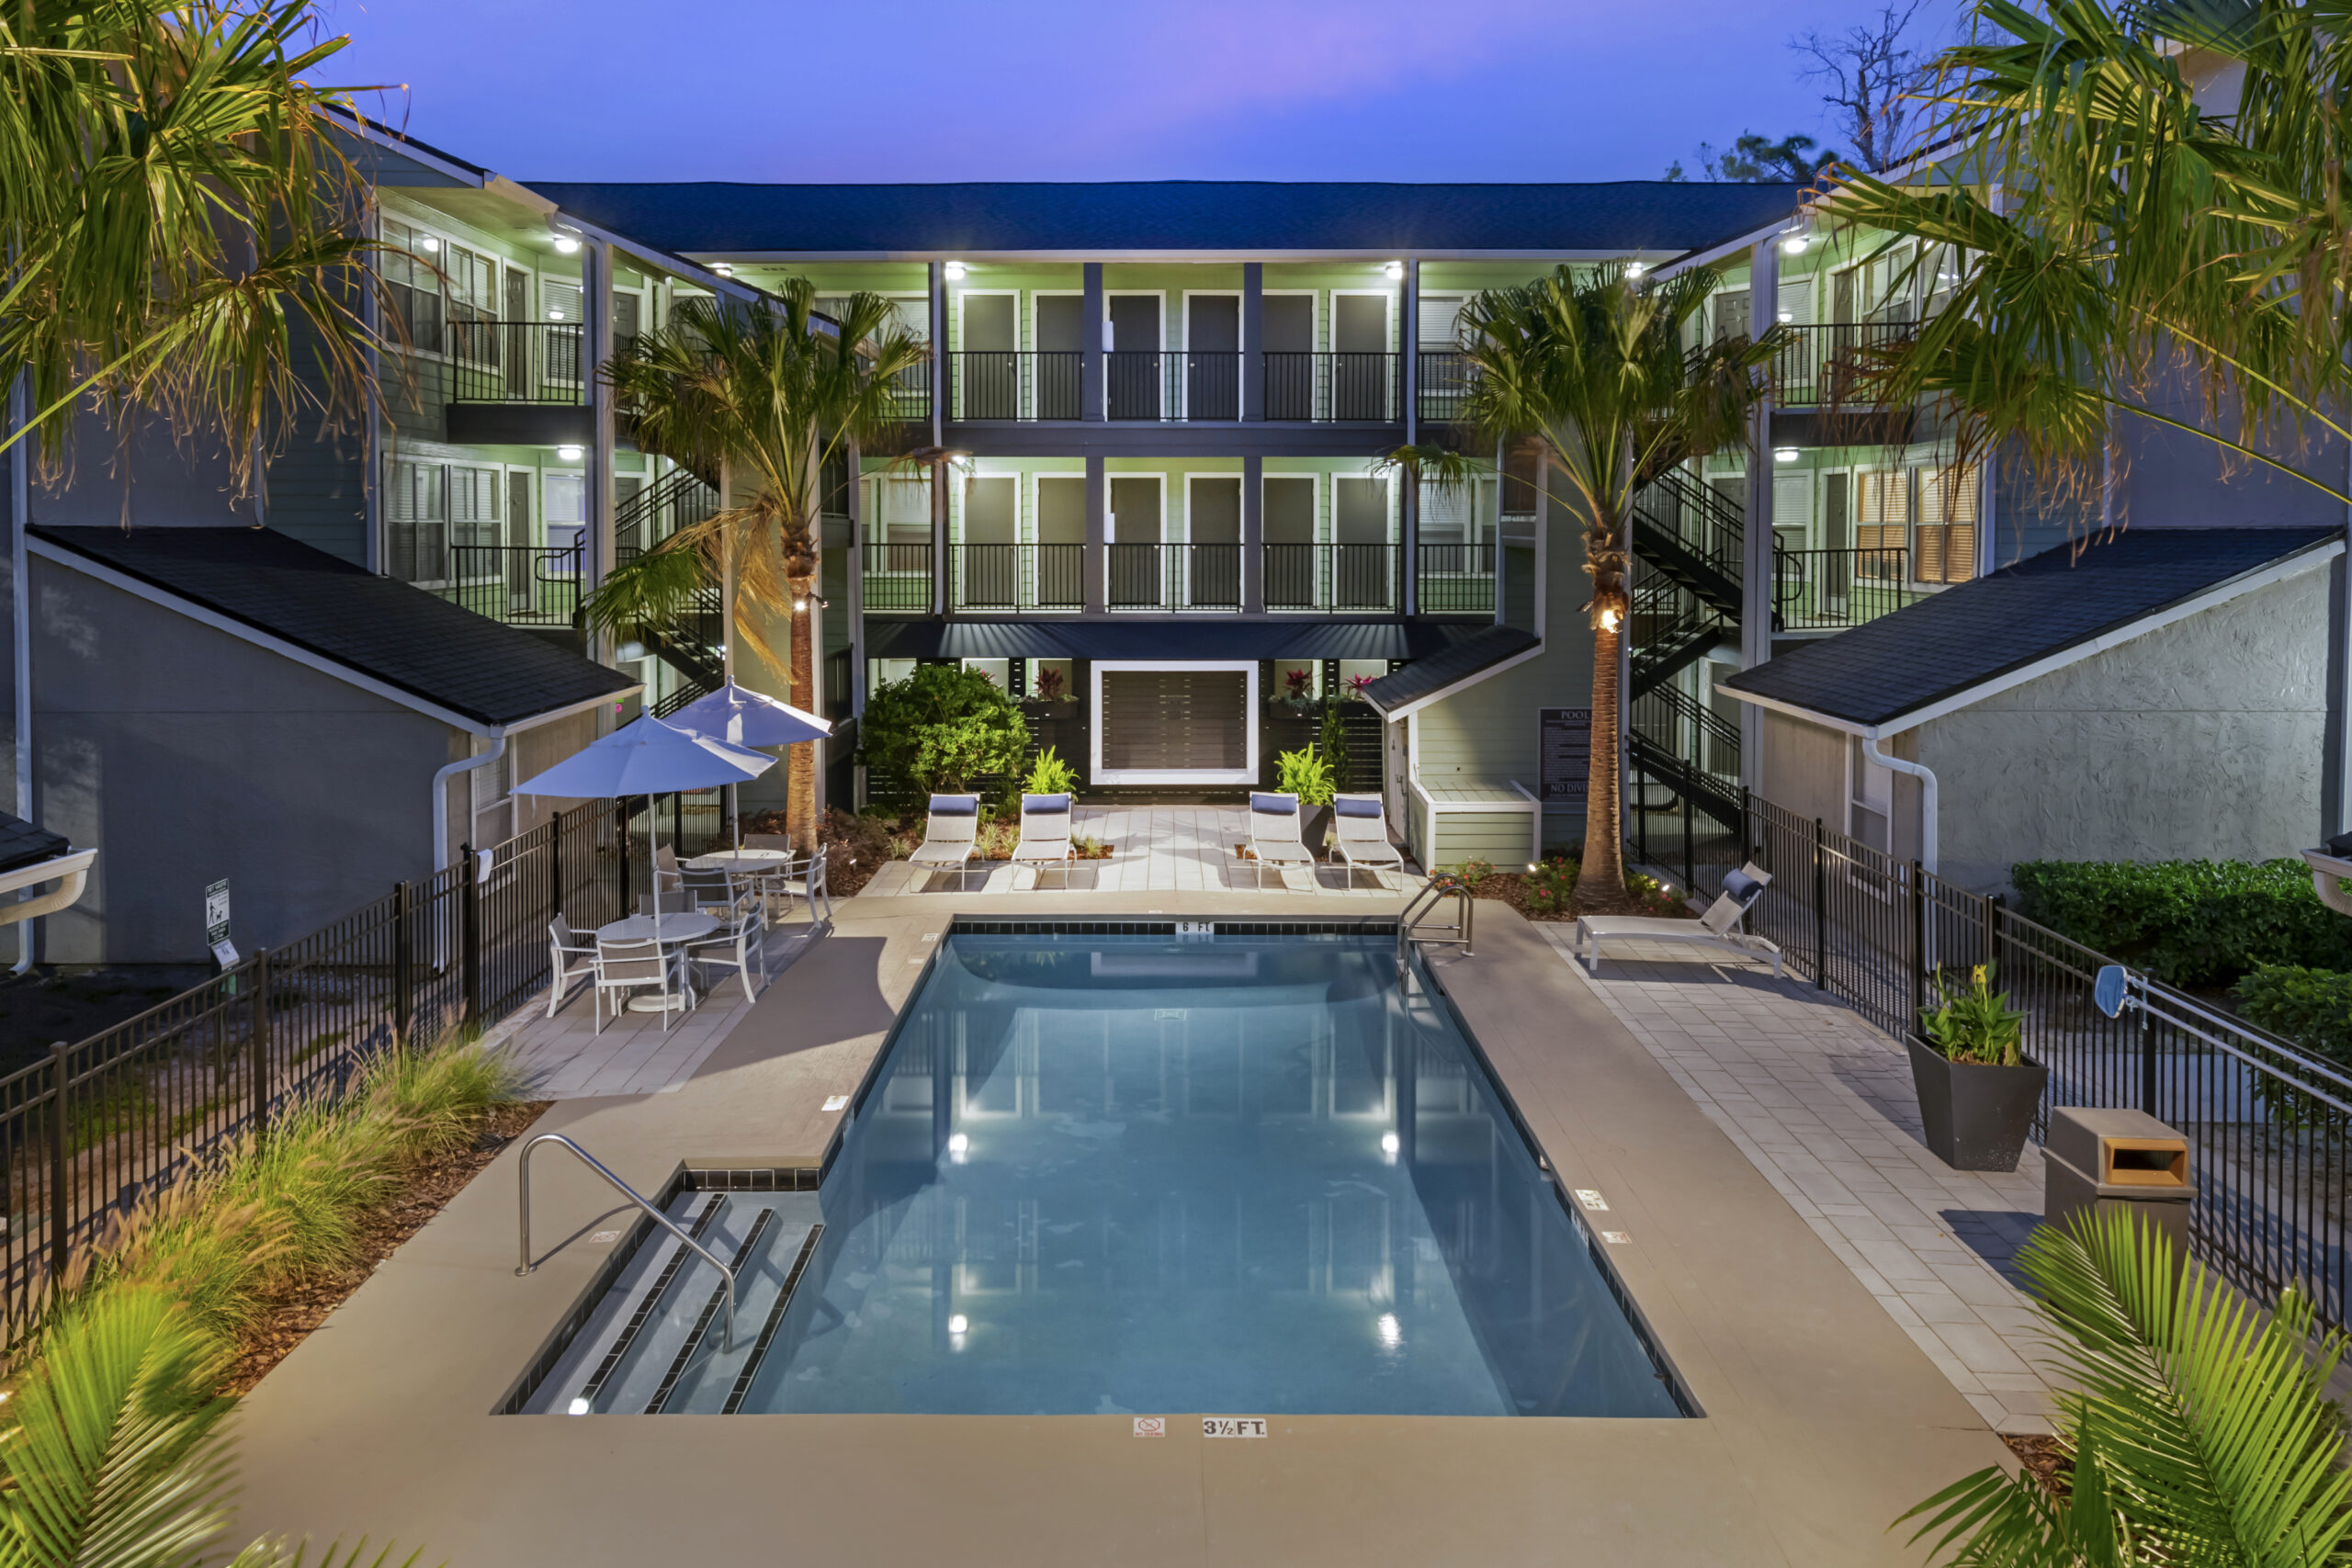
(1821, 1419)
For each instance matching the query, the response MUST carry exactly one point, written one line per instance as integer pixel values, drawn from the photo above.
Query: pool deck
(1822, 1418)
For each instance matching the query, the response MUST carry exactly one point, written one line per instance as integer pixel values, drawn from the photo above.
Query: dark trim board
(1142, 438)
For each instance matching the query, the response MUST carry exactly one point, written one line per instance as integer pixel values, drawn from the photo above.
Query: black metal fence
(2270, 1125)
(110, 1119)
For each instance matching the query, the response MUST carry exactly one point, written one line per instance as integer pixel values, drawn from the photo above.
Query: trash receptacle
(2107, 1160)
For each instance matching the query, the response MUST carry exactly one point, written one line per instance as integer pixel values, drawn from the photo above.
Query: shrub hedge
(2196, 923)
(2311, 1007)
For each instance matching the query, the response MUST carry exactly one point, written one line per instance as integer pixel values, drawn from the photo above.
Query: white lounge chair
(951, 834)
(1045, 835)
(1718, 928)
(1361, 826)
(1274, 835)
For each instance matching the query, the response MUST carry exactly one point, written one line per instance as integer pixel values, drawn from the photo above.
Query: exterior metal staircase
(689, 642)
(1687, 550)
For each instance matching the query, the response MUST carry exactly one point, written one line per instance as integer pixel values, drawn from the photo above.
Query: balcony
(1831, 590)
(493, 382)
(1455, 579)
(1444, 376)
(898, 577)
(1334, 388)
(520, 585)
(1334, 577)
(1829, 366)
(991, 386)
(1013, 577)
(1173, 577)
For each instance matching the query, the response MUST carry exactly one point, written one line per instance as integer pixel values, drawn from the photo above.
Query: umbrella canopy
(742, 716)
(648, 757)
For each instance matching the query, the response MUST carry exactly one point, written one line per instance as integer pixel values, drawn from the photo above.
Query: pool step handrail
(523, 1172)
(1413, 925)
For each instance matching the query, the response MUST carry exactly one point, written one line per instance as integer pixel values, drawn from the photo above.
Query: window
(414, 293)
(881, 673)
(473, 512)
(1947, 548)
(998, 670)
(564, 497)
(1882, 523)
(902, 522)
(1870, 804)
(417, 522)
(1440, 325)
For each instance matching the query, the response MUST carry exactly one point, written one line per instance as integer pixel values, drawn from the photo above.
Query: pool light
(1392, 1333)
(1389, 1143)
(959, 1324)
(958, 1145)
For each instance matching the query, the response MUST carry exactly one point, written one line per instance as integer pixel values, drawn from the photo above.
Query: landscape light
(1794, 245)
(1784, 454)
(1392, 271)
(565, 244)
(570, 454)
(955, 271)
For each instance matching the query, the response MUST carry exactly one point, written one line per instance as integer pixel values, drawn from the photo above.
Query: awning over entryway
(1174, 642)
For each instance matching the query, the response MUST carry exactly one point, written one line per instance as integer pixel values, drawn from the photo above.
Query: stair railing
(522, 1168)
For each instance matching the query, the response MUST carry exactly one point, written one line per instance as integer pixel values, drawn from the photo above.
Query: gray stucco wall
(2205, 738)
(185, 754)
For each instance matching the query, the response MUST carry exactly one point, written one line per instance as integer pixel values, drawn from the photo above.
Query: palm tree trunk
(800, 761)
(1601, 881)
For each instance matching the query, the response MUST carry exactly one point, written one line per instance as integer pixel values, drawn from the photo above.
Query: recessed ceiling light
(1392, 271)
(955, 271)
(1784, 454)
(1794, 245)
(570, 453)
(565, 244)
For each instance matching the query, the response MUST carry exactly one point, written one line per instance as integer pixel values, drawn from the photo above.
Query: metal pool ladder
(1414, 925)
(727, 1341)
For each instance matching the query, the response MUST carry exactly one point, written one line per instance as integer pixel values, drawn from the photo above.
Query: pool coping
(1821, 1420)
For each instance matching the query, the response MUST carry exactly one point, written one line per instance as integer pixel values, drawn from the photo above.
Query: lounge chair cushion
(1746, 890)
(1043, 805)
(955, 805)
(1274, 805)
(1345, 807)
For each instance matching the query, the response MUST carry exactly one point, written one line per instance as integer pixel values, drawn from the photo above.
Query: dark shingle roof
(1979, 631)
(21, 843)
(711, 218)
(1482, 650)
(399, 635)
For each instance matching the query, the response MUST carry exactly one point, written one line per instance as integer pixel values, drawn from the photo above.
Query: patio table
(741, 862)
(676, 927)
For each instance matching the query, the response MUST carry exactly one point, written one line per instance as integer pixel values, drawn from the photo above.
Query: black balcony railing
(523, 585)
(511, 362)
(898, 577)
(1333, 576)
(1826, 589)
(1444, 376)
(1171, 384)
(1016, 577)
(910, 395)
(1829, 366)
(1455, 579)
(992, 386)
(1335, 389)
(1173, 577)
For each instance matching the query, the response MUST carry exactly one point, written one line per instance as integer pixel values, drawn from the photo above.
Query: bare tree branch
(1869, 71)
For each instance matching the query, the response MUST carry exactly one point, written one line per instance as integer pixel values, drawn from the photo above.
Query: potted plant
(1297, 693)
(1308, 776)
(1977, 1092)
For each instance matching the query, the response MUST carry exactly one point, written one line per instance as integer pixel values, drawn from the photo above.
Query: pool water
(1123, 1174)
(1249, 1175)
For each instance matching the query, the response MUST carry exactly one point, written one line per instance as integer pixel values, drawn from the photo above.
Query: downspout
(1927, 794)
(441, 793)
(20, 494)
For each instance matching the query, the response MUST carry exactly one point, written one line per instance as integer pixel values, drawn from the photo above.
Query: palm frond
(115, 1459)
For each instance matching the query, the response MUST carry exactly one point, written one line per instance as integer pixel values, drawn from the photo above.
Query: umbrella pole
(653, 856)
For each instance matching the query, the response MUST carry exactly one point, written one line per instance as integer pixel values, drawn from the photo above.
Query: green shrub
(1552, 887)
(1050, 775)
(1333, 744)
(1474, 872)
(941, 727)
(2311, 1007)
(2197, 924)
(1304, 774)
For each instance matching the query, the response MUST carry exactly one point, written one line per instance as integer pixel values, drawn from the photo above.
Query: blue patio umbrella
(742, 716)
(647, 758)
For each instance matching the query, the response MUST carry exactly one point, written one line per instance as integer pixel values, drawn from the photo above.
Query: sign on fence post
(216, 924)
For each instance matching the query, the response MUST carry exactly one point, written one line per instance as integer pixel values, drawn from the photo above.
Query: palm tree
(2200, 1431)
(178, 227)
(1590, 369)
(2122, 242)
(763, 397)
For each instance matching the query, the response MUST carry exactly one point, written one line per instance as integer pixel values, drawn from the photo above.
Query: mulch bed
(1510, 887)
(2046, 1460)
(420, 1194)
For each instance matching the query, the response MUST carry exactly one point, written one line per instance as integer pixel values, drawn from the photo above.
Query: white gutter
(441, 794)
(71, 871)
(1927, 795)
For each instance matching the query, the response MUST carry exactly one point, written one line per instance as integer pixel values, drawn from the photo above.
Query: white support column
(856, 503)
(596, 280)
(1755, 533)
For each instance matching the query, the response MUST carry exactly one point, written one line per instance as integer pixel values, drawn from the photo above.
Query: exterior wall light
(1392, 271)
(1784, 454)
(1636, 267)
(570, 453)
(1610, 618)
(565, 244)
(555, 315)
(1794, 245)
(430, 244)
(722, 269)
(954, 271)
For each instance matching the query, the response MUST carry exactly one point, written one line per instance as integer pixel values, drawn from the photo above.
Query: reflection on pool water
(1113, 1174)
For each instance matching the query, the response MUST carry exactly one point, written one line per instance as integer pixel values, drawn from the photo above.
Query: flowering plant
(1974, 1024)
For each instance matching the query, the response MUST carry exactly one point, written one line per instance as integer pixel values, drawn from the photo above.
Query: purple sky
(1084, 89)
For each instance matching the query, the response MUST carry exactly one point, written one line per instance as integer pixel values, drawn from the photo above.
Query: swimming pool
(1129, 1173)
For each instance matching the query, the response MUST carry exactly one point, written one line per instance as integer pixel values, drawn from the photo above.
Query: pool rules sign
(1563, 755)
(216, 924)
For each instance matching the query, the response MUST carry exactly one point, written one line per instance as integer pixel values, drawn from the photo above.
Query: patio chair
(739, 944)
(768, 842)
(1361, 827)
(1045, 835)
(563, 947)
(1274, 829)
(804, 879)
(709, 892)
(624, 968)
(665, 868)
(951, 834)
(1718, 928)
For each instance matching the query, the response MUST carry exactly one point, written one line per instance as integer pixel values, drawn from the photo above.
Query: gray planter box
(1975, 1117)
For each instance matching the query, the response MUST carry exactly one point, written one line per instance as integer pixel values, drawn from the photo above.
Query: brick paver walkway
(1821, 1103)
